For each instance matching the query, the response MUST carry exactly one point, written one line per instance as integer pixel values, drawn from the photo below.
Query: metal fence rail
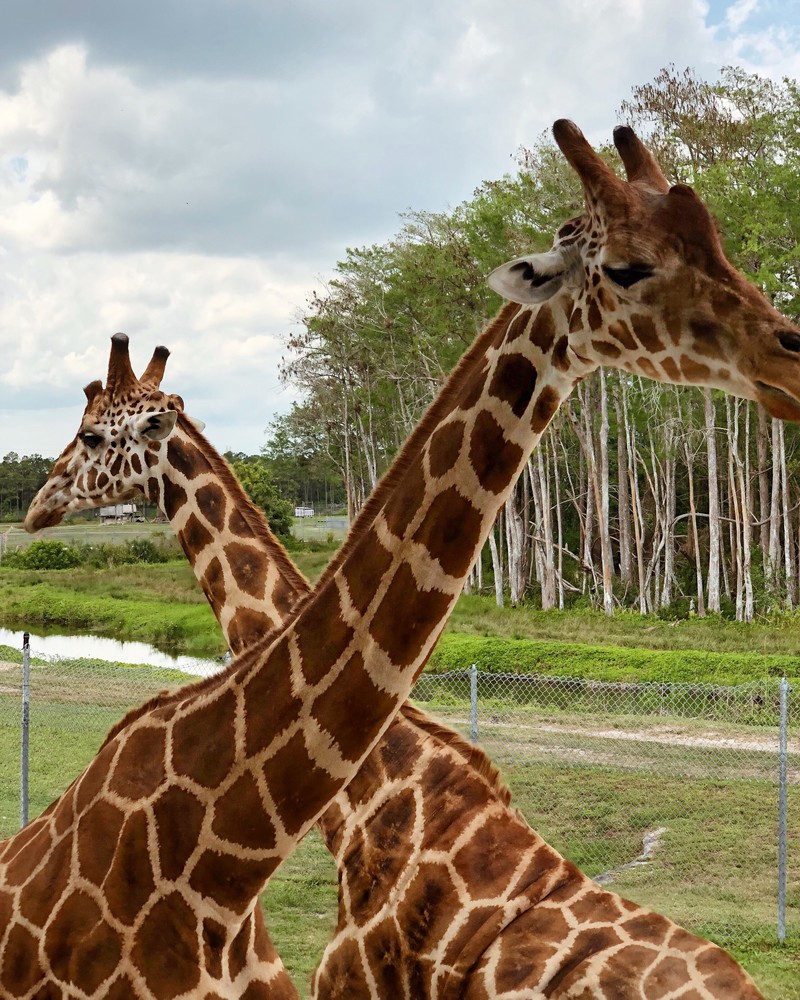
(683, 797)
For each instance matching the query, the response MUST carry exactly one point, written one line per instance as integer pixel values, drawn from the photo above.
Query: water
(100, 648)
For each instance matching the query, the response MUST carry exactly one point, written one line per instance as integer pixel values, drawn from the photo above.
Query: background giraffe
(251, 782)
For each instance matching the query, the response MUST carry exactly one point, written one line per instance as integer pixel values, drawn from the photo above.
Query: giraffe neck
(364, 634)
(244, 571)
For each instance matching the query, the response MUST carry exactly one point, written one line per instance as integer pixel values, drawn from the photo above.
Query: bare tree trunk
(788, 561)
(774, 547)
(638, 520)
(559, 524)
(701, 604)
(515, 540)
(623, 498)
(762, 443)
(497, 565)
(714, 539)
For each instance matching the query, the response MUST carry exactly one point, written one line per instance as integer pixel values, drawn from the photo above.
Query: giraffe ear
(156, 426)
(198, 425)
(530, 279)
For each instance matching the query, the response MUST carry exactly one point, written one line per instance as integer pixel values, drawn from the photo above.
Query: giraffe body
(480, 907)
(239, 767)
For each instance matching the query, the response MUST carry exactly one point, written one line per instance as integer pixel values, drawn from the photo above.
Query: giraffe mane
(360, 527)
(475, 756)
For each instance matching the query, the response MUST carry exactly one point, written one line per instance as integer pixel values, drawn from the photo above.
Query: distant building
(120, 513)
(304, 512)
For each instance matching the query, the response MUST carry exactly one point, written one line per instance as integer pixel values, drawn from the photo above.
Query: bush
(44, 554)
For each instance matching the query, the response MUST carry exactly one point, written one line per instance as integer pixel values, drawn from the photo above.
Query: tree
(255, 477)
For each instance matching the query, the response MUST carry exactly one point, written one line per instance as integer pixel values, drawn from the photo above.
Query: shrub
(44, 554)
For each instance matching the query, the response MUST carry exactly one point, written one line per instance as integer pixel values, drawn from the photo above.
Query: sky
(189, 173)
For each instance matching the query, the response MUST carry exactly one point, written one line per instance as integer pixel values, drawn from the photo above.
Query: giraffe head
(646, 285)
(122, 431)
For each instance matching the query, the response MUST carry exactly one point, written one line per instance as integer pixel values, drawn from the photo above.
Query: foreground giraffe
(153, 910)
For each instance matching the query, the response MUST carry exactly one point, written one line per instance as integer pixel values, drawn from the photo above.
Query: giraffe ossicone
(248, 783)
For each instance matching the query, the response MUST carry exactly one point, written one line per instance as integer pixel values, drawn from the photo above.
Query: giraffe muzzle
(778, 403)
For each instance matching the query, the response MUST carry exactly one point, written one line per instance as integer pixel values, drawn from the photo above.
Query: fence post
(783, 740)
(473, 703)
(26, 709)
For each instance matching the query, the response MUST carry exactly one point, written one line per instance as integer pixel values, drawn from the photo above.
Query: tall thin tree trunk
(714, 539)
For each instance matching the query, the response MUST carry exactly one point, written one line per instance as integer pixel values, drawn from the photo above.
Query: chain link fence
(683, 797)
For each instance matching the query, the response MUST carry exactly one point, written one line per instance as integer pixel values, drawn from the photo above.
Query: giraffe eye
(90, 440)
(627, 276)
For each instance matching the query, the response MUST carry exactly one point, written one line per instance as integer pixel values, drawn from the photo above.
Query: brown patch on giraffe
(606, 350)
(281, 985)
(81, 947)
(473, 388)
(620, 331)
(116, 465)
(386, 960)
(445, 447)
(240, 817)
(543, 331)
(130, 881)
(270, 685)
(378, 860)
(404, 505)
(179, 818)
(365, 569)
(151, 456)
(646, 366)
(185, 457)
(343, 977)
(513, 381)
(722, 975)
(136, 464)
(488, 860)
(194, 537)
(576, 320)
(526, 946)
(212, 503)
(214, 937)
(322, 634)
(334, 708)
(397, 748)
(515, 328)
(91, 479)
(648, 928)
(166, 950)
(237, 953)
(406, 617)
(174, 498)
(596, 906)
(593, 316)
(204, 741)
(239, 525)
(426, 909)
(494, 459)
(153, 491)
(451, 531)
(20, 970)
(103, 480)
(247, 567)
(544, 408)
(645, 330)
(560, 354)
(671, 369)
(98, 830)
(299, 788)
(246, 628)
(693, 371)
(606, 299)
(34, 847)
(213, 583)
(706, 337)
(230, 881)
(139, 768)
(48, 884)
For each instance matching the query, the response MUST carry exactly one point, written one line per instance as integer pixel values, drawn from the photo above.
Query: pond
(102, 648)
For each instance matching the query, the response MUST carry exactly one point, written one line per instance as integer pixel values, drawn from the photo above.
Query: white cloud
(186, 179)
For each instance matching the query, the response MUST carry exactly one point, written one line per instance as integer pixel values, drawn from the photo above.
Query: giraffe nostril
(790, 341)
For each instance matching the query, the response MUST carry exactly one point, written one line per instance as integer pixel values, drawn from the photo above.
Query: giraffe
(203, 793)
(479, 906)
